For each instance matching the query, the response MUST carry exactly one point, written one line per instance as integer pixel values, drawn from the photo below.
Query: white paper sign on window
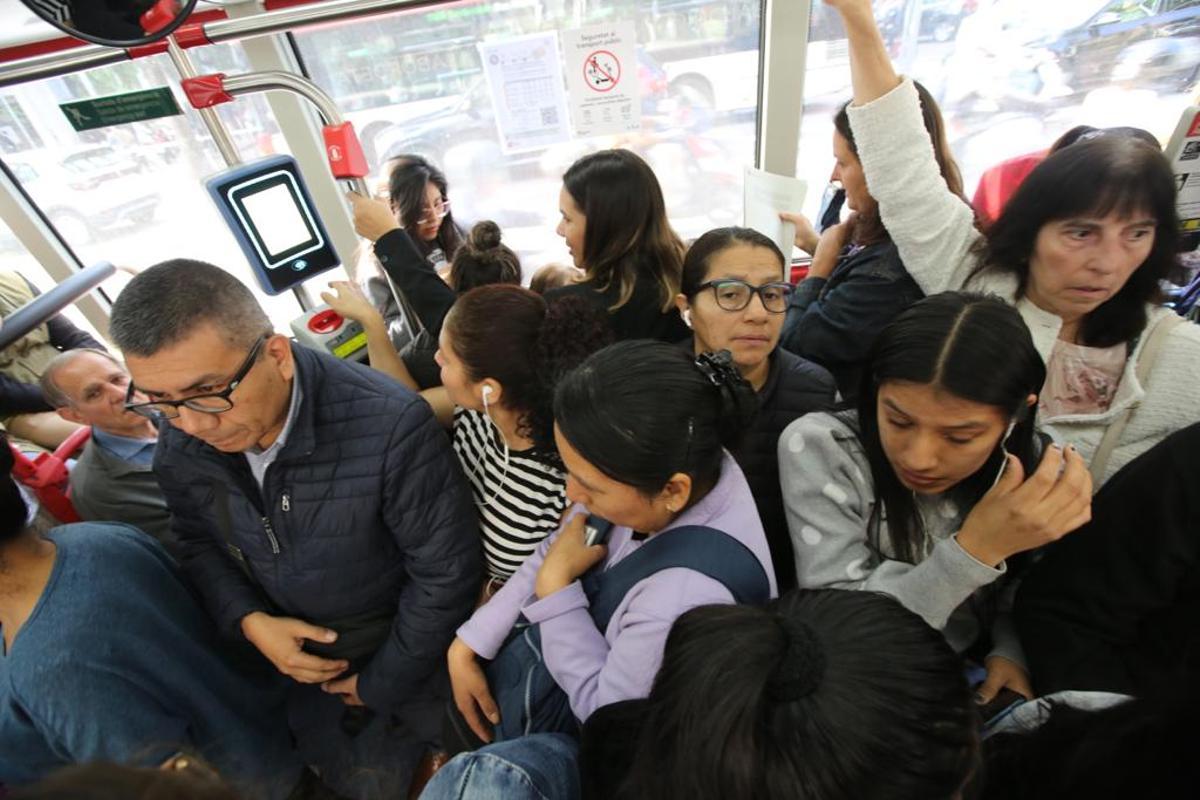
(602, 79)
(524, 77)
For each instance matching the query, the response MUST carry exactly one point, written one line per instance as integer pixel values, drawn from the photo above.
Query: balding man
(113, 481)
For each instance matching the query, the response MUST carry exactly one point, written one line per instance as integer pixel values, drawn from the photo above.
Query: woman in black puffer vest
(721, 271)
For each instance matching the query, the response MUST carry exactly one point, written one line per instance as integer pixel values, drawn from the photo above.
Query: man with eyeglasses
(112, 481)
(320, 512)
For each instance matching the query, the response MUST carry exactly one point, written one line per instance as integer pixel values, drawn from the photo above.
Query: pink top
(1082, 380)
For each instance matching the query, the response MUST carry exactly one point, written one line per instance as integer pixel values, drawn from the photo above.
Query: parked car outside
(90, 192)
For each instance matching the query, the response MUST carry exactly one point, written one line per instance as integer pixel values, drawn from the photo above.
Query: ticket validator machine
(272, 216)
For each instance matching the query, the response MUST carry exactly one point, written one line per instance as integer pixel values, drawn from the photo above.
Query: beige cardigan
(935, 233)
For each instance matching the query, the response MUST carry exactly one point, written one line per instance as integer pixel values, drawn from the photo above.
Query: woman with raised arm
(856, 283)
(1080, 249)
(938, 479)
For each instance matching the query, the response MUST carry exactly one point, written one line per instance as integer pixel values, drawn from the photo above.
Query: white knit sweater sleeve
(933, 228)
(827, 497)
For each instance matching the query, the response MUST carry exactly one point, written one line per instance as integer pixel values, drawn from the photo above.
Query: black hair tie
(802, 666)
(719, 368)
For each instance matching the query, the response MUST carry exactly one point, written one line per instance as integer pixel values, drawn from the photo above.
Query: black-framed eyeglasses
(732, 294)
(214, 403)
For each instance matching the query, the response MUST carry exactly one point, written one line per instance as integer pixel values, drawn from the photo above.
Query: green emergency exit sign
(118, 109)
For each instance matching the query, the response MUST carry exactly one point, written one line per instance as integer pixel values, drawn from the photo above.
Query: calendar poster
(525, 80)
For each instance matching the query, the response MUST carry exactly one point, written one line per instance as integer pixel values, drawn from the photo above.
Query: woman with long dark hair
(1081, 249)
(856, 283)
(733, 297)
(614, 221)
(938, 477)
(414, 241)
(649, 468)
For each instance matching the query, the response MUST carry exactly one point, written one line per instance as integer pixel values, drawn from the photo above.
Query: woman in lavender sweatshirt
(642, 428)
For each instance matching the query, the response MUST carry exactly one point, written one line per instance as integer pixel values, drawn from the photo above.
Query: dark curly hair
(512, 335)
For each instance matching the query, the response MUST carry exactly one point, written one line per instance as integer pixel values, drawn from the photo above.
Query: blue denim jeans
(542, 766)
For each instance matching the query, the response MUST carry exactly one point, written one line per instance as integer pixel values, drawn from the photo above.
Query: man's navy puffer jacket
(368, 509)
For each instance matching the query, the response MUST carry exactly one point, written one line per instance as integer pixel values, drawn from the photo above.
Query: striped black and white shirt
(517, 508)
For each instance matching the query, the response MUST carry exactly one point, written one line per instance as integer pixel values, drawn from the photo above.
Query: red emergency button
(326, 321)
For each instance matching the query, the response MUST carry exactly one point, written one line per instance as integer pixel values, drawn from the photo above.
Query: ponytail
(641, 411)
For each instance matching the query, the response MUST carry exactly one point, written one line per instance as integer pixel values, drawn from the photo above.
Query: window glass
(17, 259)
(1011, 76)
(412, 82)
(133, 194)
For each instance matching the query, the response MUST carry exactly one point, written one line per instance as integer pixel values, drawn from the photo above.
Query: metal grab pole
(221, 138)
(275, 80)
(283, 20)
(289, 19)
(54, 64)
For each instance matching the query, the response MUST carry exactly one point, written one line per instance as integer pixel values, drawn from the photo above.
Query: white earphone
(1003, 452)
(475, 472)
(687, 317)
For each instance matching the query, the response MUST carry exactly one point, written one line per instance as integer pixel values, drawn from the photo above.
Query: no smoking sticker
(602, 71)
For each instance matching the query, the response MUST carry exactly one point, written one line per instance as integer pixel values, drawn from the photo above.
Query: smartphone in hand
(596, 530)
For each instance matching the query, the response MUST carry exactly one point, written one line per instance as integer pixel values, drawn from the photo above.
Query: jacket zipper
(271, 535)
(285, 502)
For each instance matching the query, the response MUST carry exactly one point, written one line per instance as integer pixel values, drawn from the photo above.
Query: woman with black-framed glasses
(734, 297)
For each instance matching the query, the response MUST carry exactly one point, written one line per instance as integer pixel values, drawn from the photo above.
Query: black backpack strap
(696, 547)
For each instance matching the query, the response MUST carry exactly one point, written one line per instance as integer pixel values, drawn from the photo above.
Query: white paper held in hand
(764, 196)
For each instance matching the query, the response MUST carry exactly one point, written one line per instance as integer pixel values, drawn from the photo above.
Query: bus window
(1013, 75)
(17, 259)
(133, 194)
(412, 82)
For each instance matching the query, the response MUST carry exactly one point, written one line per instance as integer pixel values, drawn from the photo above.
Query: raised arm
(871, 71)
(933, 228)
(399, 257)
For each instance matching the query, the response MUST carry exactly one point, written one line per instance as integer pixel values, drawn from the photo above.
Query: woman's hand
(470, 689)
(351, 303)
(806, 235)
(372, 218)
(568, 558)
(1003, 674)
(829, 248)
(1018, 515)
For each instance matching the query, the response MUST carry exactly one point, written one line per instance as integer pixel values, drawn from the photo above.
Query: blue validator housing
(274, 220)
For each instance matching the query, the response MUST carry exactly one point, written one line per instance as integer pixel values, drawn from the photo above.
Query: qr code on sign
(549, 115)
(1191, 151)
